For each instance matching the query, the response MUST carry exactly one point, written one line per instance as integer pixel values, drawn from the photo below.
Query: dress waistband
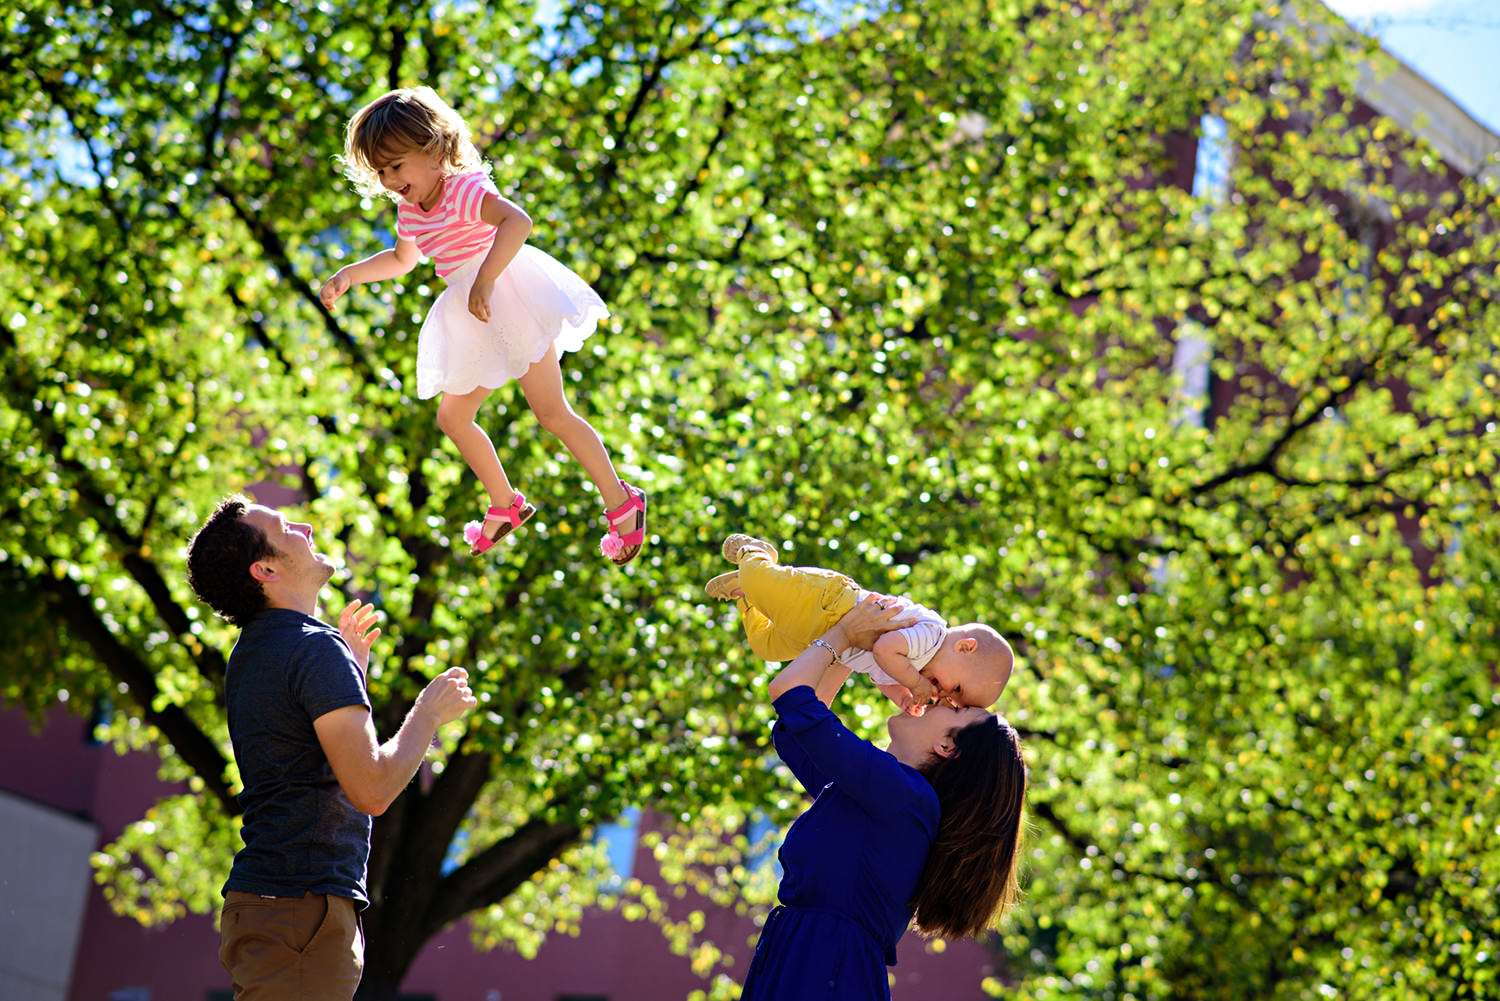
(780, 910)
(465, 268)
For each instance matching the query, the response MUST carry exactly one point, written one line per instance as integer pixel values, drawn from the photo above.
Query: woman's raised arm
(818, 666)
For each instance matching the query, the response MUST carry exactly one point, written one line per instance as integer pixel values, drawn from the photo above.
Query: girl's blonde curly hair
(400, 121)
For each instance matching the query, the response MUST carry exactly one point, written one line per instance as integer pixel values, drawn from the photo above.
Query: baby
(785, 608)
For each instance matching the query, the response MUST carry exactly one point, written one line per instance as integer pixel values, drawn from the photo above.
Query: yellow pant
(786, 608)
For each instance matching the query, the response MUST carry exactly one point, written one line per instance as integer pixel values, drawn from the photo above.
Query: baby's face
(967, 679)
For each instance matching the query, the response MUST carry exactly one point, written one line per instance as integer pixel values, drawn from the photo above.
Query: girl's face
(414, 176)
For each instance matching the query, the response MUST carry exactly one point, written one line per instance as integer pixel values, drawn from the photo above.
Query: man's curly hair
(219, 558)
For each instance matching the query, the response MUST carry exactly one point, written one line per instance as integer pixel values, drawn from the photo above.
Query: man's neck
(306, 604)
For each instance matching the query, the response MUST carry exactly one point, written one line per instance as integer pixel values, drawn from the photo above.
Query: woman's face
(917, 735)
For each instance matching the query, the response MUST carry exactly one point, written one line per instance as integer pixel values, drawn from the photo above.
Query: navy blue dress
(851, 862)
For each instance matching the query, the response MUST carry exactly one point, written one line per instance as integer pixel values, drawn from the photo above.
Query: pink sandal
(621, 549)
(516, 515)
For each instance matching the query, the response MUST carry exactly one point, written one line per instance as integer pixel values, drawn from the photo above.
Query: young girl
(508, 310)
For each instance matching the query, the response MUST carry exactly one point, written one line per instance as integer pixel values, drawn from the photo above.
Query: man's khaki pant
(280, 948)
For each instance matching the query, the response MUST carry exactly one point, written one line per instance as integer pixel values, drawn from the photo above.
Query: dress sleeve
(790, 750)
(819, 749)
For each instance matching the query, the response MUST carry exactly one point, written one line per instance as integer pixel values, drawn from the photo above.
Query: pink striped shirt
(452, 231)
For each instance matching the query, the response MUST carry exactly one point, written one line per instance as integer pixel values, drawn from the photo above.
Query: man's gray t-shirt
(301, 833)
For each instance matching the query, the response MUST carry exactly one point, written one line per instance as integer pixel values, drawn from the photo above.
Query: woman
(927, 829)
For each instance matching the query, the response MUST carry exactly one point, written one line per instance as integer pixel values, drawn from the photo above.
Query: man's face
(294, 558)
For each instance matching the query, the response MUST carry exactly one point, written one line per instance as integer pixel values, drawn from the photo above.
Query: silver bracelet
(823, 643)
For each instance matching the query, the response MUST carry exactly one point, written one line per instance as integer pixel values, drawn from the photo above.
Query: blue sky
(1453, 43)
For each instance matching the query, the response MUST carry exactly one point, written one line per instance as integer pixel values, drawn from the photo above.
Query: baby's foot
(737, 546)
(725, 587)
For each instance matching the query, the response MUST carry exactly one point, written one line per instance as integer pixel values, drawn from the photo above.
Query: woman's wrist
(837, 640)
(822, 644)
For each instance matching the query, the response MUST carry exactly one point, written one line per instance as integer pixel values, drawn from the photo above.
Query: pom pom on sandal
(472, 532)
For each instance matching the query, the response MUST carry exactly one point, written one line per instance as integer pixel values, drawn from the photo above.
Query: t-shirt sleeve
(468, 195)
(923, 639)
(825, 750)
(326, 676)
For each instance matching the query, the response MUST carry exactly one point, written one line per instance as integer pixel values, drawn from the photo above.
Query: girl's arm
(512, 227)
(392, 262)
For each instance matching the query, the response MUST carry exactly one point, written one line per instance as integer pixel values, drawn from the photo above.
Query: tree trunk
(414, 901)
(392, 941)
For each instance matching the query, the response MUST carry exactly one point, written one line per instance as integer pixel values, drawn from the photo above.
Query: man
(312, 768)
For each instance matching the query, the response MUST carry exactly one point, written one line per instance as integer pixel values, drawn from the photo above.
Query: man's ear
(945, 747)
(966, 645)
(262, 571)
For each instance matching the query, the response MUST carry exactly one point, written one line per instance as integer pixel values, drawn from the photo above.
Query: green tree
(900, 283)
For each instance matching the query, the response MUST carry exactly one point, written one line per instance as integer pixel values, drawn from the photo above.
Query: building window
(229, 996)
(765, 844)
(619, 840)
(1364, 230)
(1211, 167)
(1190, 375)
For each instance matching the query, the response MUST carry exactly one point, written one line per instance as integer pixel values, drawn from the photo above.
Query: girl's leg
(543, 387)
(456, 420)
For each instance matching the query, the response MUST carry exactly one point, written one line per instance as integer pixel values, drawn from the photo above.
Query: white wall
(44, 887)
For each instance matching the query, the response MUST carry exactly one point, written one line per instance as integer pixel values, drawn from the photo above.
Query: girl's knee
(558, 420)
(451, 419)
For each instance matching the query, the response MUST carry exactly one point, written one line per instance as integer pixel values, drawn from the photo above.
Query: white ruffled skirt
(536, 303)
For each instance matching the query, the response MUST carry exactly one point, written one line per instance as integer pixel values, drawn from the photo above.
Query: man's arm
(374, 774)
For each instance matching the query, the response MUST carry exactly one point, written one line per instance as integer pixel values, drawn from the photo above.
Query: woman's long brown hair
(970, 879)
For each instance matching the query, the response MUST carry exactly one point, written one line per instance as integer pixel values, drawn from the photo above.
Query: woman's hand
(357, 626)
(874, 616)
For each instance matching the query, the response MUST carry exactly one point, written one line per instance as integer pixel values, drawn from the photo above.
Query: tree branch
(490, 876)
(187, 739)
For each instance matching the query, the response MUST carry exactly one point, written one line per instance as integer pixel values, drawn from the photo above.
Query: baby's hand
(357, 626)
(904, 699)
(924, 691)
(479, 299)
(333, 288)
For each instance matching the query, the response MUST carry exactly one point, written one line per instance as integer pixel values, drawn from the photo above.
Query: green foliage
(895, 287)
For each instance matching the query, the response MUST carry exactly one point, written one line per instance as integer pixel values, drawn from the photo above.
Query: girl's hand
(333, 288)
(357, 626)
(867, 621)
(479, 299)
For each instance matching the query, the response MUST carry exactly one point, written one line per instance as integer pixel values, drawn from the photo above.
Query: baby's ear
(966, 645)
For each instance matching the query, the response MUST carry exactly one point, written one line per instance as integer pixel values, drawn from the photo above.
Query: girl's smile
(413, 177)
